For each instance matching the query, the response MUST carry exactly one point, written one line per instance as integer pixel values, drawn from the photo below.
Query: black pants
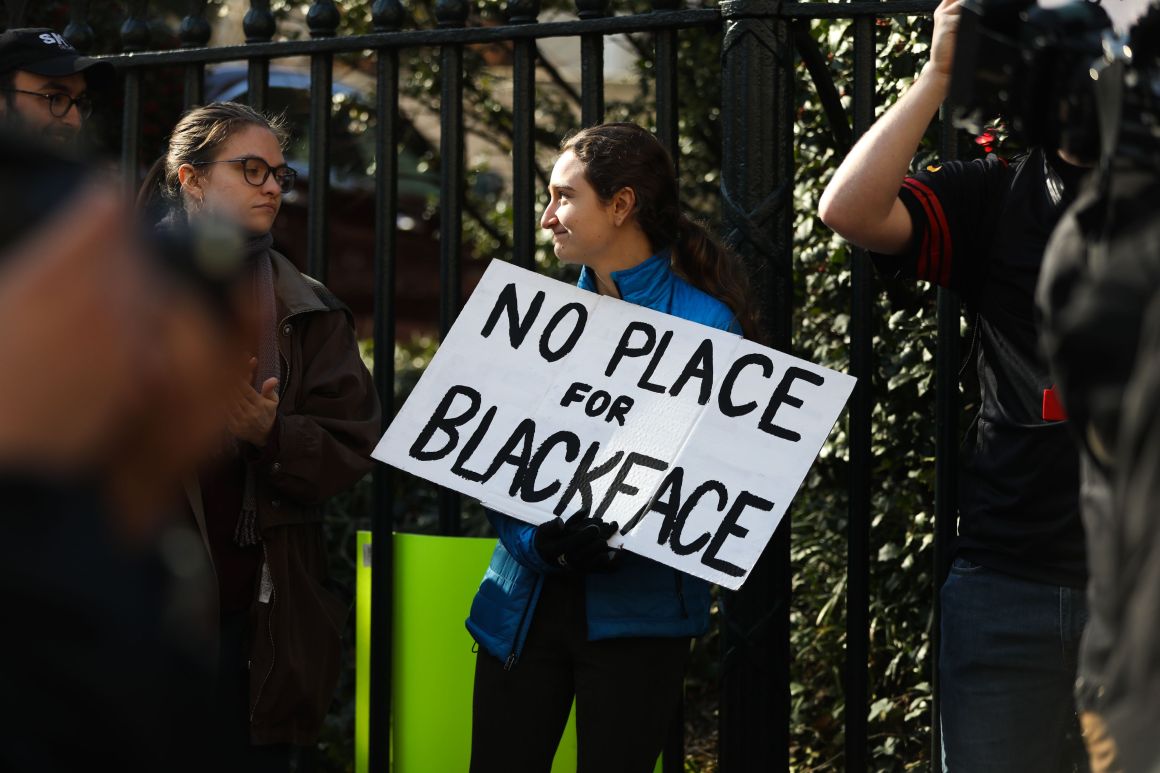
(234, 751)
(626, 691)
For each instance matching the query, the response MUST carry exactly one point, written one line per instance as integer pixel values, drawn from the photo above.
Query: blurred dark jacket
(1133, 670)
(327, 425)
(1101, 274)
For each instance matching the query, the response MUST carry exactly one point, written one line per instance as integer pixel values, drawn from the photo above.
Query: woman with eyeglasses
(302, 429)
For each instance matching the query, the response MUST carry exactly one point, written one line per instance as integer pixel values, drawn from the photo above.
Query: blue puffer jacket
(640, 598)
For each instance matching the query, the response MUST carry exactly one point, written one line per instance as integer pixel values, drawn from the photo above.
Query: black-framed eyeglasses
(59, 103)
(257, 171)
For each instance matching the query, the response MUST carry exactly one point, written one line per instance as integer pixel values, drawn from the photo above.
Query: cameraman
(1013, 606)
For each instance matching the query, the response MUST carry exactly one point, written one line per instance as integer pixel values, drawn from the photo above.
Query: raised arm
(861, 202)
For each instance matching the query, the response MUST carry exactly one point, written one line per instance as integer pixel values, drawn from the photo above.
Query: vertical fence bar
(861, 459)
(79, 32)
(523, 135)
(134, 37)
(665, 44)
(387, 16)
(665, 53)
(194, 33)
(322, 19)
(450, 14)
(591, 64)
(946, 449)
(756, 192)
(259, 27)
(666, 75)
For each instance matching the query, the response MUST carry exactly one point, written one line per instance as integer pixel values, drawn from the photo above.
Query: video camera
(1060, 77)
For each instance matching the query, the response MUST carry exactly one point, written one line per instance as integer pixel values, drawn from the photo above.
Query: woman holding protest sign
(559, 615)
(303, 424)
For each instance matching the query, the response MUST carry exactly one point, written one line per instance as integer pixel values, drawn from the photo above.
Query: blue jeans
(1007, 671)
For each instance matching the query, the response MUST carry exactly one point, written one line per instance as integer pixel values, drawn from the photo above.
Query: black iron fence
(761, 39)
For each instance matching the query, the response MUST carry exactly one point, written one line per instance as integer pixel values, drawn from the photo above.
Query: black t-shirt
(980, 228)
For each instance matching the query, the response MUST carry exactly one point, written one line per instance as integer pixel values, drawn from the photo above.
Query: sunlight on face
(579, 221)
(226, 193)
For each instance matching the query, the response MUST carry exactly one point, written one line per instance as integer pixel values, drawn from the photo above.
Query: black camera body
(1060, 78)
(1032, 66)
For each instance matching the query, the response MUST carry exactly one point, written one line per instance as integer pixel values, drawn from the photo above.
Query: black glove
(579, 544)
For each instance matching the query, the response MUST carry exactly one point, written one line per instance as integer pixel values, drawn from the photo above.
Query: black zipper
(680, 577)
(515, 653)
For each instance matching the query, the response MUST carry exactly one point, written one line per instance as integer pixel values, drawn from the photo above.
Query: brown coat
(328, 423)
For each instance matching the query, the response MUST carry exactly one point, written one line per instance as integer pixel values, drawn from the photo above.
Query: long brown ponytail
(624, 155)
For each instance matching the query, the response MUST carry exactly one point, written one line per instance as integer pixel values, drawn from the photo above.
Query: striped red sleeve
(936, 252)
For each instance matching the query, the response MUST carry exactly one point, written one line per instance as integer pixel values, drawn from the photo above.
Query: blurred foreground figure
(115, 373)
(1132, 711)
(1100, 295)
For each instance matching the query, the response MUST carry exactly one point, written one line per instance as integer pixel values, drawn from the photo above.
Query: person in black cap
(45, 83)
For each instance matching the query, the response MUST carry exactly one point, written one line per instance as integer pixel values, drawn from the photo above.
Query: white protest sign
(545, 399)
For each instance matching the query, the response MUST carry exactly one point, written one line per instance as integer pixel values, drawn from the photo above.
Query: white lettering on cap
(55, 39)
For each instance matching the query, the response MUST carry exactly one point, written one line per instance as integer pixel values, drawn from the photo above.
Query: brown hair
(624, 155)
(199, 133)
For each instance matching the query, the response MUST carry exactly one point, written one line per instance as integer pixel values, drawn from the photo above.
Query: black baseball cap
(45, 52)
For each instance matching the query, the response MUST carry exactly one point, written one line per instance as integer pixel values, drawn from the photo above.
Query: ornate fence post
(79, 32)
(523, 140)
(450, 14)
(591, 64)
(322, 19)
(860, 435)
(756, 191)
(259, 27)
(195, 33)
(134, 37)
(666, 46)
